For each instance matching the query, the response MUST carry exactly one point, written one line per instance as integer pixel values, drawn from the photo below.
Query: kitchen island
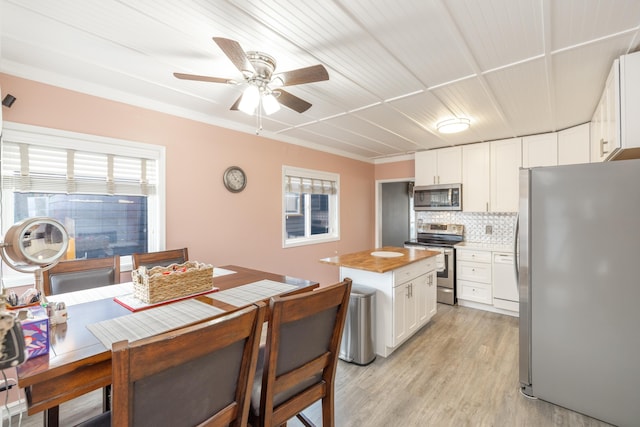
(406, 290)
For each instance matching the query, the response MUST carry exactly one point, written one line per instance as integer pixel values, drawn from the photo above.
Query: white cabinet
(406, 299)
(540, 150)
(506, 159)
(442, 166)
(431, 297)
(426, 167)
(473, 270)
(615, 124)
(476, 177)
(574, 145)
(605, 132)
(426, 292)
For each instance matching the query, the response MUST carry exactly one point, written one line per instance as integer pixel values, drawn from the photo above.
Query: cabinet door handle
(602, 144)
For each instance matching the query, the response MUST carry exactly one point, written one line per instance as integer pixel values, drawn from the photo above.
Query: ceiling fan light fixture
(250, 100)
(454, 125)
(270, 104)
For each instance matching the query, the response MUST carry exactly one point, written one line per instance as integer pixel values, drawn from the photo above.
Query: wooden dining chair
(197, 375)
(80, 274)
(161, 258)
(300, 357)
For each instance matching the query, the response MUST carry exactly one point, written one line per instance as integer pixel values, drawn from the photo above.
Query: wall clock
(234, 178)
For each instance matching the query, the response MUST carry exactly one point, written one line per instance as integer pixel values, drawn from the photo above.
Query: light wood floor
(459, 370)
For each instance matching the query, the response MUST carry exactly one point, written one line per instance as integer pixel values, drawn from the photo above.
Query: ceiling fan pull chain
(259, 116)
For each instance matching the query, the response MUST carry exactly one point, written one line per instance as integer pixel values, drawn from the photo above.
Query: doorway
(397, 218)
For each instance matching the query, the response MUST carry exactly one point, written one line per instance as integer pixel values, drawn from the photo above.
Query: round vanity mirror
(35, 241)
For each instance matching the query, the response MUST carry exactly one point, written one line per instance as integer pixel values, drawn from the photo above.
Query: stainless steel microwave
(443, 197)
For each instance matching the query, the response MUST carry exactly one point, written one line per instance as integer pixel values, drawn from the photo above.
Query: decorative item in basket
(159, 284)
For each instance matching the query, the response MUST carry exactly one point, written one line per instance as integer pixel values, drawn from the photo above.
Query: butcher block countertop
(379, 264)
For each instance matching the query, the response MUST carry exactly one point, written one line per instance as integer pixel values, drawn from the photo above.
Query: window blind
(30, 167)
(299, 184)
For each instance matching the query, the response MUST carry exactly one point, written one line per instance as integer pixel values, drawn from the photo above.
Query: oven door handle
(440, 258)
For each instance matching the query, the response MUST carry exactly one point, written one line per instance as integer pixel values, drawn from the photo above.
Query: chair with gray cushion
(161, 258)
(298, 366)
(81, 274)
(197, 375)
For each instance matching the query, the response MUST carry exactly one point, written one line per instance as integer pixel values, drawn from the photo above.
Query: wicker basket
(175, 281)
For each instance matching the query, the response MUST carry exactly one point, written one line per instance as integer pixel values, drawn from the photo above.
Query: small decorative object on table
(159, 284)
(35, 326)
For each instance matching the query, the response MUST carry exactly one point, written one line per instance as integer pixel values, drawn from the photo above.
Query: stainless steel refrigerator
(579, 285)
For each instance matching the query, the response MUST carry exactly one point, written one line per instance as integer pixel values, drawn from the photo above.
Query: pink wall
(218, 227)
(395, 170)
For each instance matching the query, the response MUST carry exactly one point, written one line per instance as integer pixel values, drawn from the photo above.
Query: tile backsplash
(496, 228)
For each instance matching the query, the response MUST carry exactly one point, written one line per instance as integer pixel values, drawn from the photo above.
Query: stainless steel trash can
(358, 338)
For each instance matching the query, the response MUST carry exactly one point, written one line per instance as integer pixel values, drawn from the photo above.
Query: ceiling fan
(264, 88)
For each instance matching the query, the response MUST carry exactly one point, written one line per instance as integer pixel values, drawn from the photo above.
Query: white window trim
(29, 134)
(334, 234)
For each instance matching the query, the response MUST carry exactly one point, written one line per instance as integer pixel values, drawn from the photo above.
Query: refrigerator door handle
(516, 266)
(524, 284)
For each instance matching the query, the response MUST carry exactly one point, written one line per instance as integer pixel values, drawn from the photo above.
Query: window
(309, 206)
(107, 193)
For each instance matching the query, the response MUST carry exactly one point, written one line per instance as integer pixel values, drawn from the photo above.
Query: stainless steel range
(441, 238)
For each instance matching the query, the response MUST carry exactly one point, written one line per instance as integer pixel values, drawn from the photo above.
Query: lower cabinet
(406, 299)
(431, 298)
(405, 313)
(473, 270)
(414, 304)
(486, 280)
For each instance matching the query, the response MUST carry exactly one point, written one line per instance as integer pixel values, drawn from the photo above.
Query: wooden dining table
(78, 362)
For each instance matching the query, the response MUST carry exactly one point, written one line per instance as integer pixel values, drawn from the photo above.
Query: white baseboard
(486, 307)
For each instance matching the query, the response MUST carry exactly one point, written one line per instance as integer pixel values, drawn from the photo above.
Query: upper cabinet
(540, 150)
(442, 166)
(476, 172)
(615, 128)
(573, 145)
(506, 156)
(605, 132)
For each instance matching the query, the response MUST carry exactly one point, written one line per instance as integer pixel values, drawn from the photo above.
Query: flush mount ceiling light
(455, 125)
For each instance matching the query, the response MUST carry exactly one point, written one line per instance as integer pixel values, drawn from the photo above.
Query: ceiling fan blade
(292, 101)
(300, 76)
(203, 78)
(235, 53)
(234, 107)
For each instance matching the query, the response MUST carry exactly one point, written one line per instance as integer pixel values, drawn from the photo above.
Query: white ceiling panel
(322, 141)
(514, 67)
(335, 38)
(325, 128)
(424, 108)
(422, 40)
(500, 32)
(375, 132)
(472, 98)
(396, 121)
(523, 92)
(580, 21)
(573, 103)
